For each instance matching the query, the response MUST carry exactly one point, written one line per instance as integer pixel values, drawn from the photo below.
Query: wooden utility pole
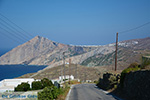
(116, 51)
(76, 71)
(62, 70)
(85, 76)
(64, 66)
(69, 69)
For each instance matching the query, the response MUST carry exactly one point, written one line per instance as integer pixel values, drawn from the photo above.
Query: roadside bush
(108, 81)
(132, 67)
(49, 93)
(46, 82)
(145, 63)
(46, 94)
(36, 85)
(23, 87)
(55, 92)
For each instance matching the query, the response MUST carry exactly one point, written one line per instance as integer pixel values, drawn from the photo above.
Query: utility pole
(116, 51)
(76, 71)
(85, 76)
(64, 67)
(69, 69)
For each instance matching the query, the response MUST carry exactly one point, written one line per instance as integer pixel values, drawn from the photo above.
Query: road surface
(88, 92)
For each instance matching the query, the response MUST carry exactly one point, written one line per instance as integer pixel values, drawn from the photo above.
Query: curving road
(88, 92)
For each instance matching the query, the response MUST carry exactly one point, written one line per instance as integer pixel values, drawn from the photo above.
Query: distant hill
(128, 52)
(78, 71)
(42, 51)
(99, 59)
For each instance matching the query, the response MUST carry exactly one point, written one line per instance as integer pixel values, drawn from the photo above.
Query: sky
(77, 22)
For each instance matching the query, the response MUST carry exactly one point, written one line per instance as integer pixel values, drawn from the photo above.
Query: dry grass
(79, 72)
(64, 95)
(74, 82)
(26, 75)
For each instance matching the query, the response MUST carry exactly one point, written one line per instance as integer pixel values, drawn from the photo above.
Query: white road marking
(67, 98)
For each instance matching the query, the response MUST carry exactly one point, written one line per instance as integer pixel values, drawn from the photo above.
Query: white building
(67, 77)
(10, 84)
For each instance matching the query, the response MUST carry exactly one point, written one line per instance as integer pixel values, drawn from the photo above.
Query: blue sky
(78, 22)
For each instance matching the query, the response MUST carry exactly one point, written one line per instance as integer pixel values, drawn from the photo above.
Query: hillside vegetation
(80, 72)
(126, 56)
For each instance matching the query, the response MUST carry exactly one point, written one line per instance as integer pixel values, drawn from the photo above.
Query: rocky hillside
(128, 52)
(41, 51)
(79, 72)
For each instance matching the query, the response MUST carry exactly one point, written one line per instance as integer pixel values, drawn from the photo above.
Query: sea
(14, 71)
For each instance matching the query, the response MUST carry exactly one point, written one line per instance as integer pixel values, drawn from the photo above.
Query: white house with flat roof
(66, 77)
(10, 84)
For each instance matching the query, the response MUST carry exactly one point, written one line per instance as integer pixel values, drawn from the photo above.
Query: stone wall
(137, 85)
(108, 81)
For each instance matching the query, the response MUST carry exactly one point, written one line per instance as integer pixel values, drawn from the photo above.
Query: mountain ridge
(40, 47)
(129, 51)
(42, 51)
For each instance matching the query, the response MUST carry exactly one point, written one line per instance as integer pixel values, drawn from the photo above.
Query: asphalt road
(88, 92)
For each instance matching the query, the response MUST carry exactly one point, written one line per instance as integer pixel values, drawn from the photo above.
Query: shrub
(23, 87)
(132, 67)
(46, 82)
(36, 85)
(108, 81)
(46, 94)
(49, 93)
(145, 62)
(55, 92)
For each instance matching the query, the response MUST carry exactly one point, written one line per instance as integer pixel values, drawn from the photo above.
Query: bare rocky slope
(41, 51)
(128, 52)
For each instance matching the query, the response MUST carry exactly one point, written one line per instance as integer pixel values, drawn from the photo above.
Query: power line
(13, 32)
(10, 27)
(134, 28)
(18, 32)
(116, 51)
(8, 36)
(27, 34)
(125, 32)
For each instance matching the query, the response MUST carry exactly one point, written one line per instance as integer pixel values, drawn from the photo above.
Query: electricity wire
(132, 29)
